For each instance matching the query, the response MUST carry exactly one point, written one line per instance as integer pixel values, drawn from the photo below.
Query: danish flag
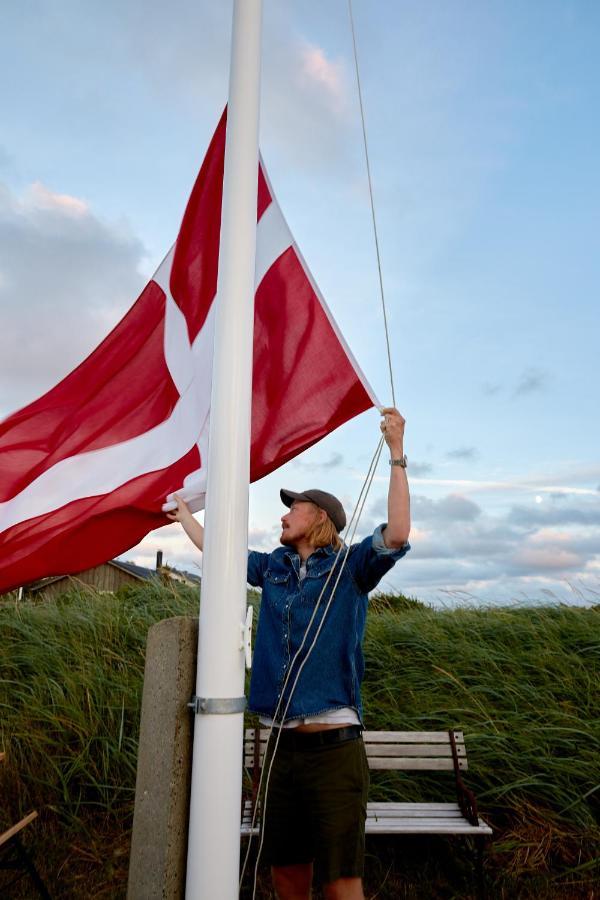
(91, 467)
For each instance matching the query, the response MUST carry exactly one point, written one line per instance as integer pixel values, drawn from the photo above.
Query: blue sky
(483, 132)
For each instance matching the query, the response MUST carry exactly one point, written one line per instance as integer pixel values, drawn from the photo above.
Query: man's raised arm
(396, 533)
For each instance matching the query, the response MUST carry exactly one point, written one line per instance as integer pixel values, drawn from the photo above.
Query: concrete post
(159, 842)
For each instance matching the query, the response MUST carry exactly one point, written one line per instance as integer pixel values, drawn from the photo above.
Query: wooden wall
(102, 578)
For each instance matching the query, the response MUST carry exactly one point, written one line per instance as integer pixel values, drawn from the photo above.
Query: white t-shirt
(345, 716)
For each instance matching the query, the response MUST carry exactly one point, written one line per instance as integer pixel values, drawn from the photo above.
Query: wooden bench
(406, 751)
(14, 856)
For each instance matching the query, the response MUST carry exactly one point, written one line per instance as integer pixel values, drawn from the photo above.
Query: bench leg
(28, 866)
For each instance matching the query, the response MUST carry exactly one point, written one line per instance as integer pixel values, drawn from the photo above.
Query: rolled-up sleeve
(379, 545)
(257, 566)
(372, 559)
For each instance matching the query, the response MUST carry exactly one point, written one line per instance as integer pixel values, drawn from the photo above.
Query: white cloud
(66, 277)
(458, 546)
(325, 74)
(304, 103)
(264, 539)
(177, 549)
(39, 197)
(542, 559)
(586, 511)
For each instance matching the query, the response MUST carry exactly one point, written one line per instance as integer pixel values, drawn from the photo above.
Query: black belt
(292, 739)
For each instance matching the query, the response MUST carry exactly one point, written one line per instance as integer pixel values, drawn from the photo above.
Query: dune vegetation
(521, 682)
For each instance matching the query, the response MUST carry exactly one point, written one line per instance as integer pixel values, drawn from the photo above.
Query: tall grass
(522, 683)
(71, 676)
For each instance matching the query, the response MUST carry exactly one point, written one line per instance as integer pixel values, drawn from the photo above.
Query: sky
(483, 130)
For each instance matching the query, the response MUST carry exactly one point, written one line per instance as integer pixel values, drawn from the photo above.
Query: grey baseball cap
(323, 500)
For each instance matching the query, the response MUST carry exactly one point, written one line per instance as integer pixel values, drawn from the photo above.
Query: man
(317, 791)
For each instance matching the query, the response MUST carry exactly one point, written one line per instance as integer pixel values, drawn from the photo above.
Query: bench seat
(403, 818)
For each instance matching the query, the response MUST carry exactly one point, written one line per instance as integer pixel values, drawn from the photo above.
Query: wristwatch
(403, 461)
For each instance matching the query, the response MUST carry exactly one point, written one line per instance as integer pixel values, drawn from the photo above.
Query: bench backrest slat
(411, 737)
(393, 750)
(402, 737)
(409, 764)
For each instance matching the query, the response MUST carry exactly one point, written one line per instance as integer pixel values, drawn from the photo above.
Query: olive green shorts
(317, 805)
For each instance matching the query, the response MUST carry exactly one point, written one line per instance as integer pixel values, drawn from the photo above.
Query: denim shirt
(332, 676)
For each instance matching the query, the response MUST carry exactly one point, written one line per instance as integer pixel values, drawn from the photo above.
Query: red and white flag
(88, 469)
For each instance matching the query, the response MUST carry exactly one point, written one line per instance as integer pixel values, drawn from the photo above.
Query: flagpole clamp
(217, 705)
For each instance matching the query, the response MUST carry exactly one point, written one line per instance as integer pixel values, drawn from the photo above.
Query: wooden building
(107, 578)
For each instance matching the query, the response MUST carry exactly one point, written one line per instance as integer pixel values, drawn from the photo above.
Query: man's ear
(322, 515)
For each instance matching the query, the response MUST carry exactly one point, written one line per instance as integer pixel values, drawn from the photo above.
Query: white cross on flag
(85, 471)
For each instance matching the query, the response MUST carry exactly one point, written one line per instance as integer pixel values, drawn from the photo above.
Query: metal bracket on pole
(217, 705)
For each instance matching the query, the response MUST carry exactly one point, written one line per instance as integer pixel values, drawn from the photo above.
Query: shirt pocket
(276, 589)
(315, 580)
(278, 579)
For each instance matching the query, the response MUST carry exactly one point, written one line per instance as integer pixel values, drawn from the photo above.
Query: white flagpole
(215, 802)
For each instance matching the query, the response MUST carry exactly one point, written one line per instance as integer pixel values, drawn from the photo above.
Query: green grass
(522, 683)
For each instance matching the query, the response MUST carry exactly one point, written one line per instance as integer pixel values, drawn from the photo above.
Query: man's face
(296, 523)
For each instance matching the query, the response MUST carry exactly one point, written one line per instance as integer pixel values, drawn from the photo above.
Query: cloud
(587, 512)
(39, 197)
(531, 380)
(305, 92)
(178, 551)
(334, 462)
(451, 508)
(544, 559)
(264, 539)
(324, 74)
(463, 552)
(66, 278)
(306, 104)
(463, 453)
(420, 469)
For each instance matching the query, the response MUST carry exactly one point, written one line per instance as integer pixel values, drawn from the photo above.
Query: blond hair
(324, 533)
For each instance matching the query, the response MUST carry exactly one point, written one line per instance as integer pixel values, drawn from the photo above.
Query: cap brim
(288, 497)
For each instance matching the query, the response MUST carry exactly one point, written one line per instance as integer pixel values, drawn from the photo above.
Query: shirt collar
(320, 551)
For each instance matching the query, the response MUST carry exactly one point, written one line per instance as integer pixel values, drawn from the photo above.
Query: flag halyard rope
(369, 179)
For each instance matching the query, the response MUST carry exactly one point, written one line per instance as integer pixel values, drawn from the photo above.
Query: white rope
(344, 551)
(364, 133)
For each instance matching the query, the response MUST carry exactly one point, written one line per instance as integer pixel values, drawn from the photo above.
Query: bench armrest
(465, 796)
